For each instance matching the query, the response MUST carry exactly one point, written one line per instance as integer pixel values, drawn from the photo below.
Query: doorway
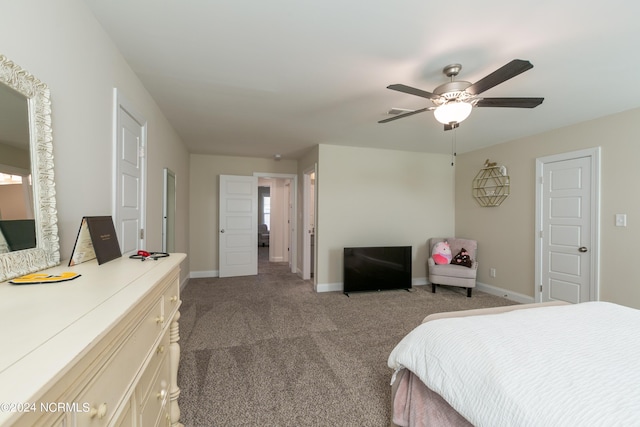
(238, 235)
(567, 226)
(309, 224)
(169, 211)
(280, 219)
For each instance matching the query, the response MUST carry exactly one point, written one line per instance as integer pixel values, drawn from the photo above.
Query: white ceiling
(255, 77)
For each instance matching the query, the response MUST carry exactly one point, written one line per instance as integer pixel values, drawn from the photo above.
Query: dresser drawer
(105, 391)
(153, 411)
(40, 418)
(35, 415)
(127, 417)
(157, 358)
(171, 297)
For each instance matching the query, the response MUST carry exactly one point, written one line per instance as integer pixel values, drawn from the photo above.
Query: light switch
(621, 220)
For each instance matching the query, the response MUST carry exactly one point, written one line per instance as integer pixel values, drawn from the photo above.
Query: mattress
(543, 366)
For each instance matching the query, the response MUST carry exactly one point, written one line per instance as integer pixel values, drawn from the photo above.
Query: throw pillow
(441, 253)
(462, 258)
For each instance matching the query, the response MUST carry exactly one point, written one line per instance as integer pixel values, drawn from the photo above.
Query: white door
(238, 233)
(129, 178)
(568, 229)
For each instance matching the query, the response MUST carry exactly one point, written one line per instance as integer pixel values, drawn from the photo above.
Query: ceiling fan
(454, 100)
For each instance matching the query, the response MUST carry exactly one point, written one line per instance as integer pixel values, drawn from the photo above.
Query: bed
(526, 365)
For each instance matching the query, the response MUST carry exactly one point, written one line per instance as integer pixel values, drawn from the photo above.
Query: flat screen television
(377, 268)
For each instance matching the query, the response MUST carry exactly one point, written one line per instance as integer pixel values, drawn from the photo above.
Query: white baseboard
(510, 295)
(329, 287)
(203, 274)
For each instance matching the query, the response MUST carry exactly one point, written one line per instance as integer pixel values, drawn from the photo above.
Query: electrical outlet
(492, 272)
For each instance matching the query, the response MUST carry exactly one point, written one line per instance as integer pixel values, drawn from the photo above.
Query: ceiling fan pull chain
(453, 147)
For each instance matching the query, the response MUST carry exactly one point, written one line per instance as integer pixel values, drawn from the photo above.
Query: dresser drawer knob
(174, 298)
(160, 319)
(99, 412)
(161, 394)
(160, 349)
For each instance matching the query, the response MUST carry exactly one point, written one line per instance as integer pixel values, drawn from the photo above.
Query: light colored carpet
(267, 350)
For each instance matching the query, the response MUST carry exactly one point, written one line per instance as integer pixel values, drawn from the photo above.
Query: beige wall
(373, 197)
(203, 206)
(506, 233)
(63, 45)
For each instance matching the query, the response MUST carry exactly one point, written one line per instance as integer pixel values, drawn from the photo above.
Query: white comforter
(574, 365)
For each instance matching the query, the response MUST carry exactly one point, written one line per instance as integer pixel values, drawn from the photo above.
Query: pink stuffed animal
(441, 253)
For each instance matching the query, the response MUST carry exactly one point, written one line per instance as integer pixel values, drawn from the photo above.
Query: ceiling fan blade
(510, 102)
(502, 74)
(413, 91)
(400, 116)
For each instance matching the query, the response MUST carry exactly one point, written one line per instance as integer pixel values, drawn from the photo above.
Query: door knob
(582, 249)
(222, 231)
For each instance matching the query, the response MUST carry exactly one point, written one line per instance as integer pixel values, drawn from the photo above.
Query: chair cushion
(451, 270)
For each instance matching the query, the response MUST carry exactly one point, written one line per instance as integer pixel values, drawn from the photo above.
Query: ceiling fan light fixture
(452, 112)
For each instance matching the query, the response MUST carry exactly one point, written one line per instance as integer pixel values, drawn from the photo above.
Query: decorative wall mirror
(45, 251)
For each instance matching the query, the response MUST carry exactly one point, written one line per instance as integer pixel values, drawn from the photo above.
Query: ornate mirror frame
(47, 251)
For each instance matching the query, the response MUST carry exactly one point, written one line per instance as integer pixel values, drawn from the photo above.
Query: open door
(238, 232)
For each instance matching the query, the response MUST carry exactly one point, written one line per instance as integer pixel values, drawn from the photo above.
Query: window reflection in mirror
(17, 225)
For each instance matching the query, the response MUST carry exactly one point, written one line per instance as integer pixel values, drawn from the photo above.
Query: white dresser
(100, 350)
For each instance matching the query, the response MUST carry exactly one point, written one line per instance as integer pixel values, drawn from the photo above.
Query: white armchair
(450, 274)
(263, 235)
